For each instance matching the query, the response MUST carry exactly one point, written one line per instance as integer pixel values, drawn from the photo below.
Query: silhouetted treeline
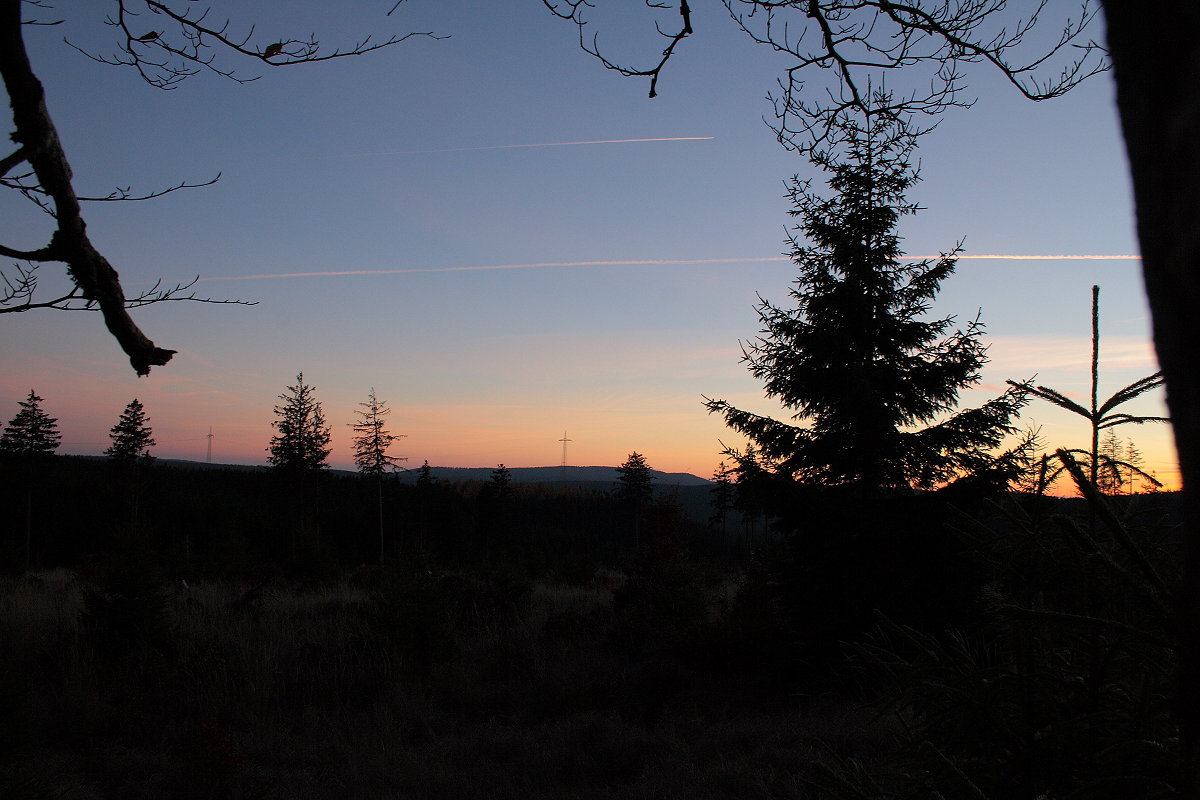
(207, 521)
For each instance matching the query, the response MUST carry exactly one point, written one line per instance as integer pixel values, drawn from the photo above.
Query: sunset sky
(508, 242)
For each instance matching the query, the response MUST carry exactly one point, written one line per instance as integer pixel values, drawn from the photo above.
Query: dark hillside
(211, 517)
(198, 632)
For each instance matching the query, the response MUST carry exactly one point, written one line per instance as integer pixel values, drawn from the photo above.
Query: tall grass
(1066, 689)
(413, 685)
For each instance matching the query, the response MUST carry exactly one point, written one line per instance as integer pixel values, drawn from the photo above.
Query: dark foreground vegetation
(221, 634)
(394, 685)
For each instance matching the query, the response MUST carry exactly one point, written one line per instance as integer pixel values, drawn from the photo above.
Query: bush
(125, 609)
(1065, 692)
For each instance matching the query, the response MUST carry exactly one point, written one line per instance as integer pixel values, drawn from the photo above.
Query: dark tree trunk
(1155, 46)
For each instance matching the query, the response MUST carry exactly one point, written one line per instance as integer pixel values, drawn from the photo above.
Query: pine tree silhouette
(32, 430)
(872, 383)
(131, 436)
(301, 443)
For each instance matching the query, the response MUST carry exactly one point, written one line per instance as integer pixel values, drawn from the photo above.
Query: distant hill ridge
(604, 475)
(572, 475)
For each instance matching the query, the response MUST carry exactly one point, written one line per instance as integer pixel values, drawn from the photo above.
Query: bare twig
(17, 291)
(186, 46)
(573, 10)
(861, 41)
(189, 44)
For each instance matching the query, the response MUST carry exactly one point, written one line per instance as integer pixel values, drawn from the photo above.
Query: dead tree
(1156, 63)
(181, 43)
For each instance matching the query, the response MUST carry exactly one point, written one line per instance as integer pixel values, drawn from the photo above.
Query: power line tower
(208, 455)
(563, 466)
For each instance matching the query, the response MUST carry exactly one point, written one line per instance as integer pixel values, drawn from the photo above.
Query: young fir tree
(872, 384)
(721, 496)
(301, 443)
(495, 513)
(635, 483)
(425, 477)
(1103, 415)
(30, 434)
(32, 430)
(635, 489)
(372, 438)
(131, 436)
(1111, 476)
(1140, 480)
(501, 480)
(371, 442)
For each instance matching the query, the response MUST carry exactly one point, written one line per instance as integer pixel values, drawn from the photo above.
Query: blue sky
(400, 163)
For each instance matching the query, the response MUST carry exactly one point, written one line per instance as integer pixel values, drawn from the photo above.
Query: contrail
(480, 268)
(1051, 258)
(638, 262)
(540, 144)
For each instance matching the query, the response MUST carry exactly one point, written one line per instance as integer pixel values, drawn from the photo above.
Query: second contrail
(537, 144)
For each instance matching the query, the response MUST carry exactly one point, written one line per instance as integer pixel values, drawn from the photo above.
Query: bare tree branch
(95, 278)
(186, 46)
(573, 10)
(11, 160)
(859, 42)
(17, 291)
(44, 5)
(44, 254)
(119, 194)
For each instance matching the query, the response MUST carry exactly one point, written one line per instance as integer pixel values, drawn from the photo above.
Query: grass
(404, 686)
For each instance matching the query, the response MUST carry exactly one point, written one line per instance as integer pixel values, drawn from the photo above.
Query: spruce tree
(372, 438)
(31, 434)
(635, 489)
(1139, 479)
(32, 430)
(501, 480)
(1110, 475)
(131, 436)
(301, 442)
(721, 495)
(495, 514)
(1102, 415)
(871, 384)
(371, 442)
(635, 483)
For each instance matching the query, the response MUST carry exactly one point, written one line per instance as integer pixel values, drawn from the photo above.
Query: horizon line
(1167, 468)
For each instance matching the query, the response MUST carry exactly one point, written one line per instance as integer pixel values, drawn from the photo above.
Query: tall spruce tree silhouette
(371, 442)
(131, 437)
(635, 489)
(872, 383)
(872, 386)
(298, 453)
(28, 437)
(32, 430)
(301, 442)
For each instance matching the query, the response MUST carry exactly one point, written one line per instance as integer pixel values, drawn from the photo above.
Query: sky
(511, 244)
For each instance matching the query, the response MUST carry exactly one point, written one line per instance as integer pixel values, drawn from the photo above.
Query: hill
(572, 476)
(587, 477)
